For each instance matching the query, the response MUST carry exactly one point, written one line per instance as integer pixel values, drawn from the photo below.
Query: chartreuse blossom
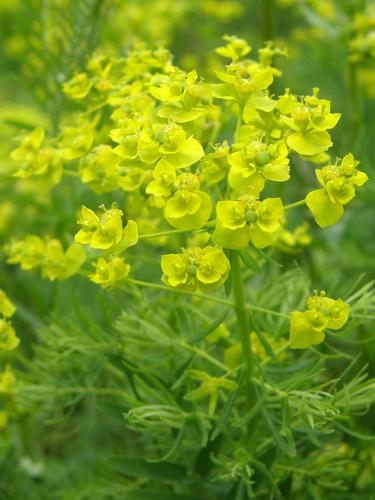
(234, 49)
(60, 264)
(215, 165)
(233, 355)
(254, 163)
(106, 231)
(47, 254)
(164, 177)
(36, 156)
(307, 328)
(75, 141)
(100, 169)
(338, 182)
(110, 272)
(8, 338)
(209, 388)
(294, 241)
(7, 309)
(28, 252)
(151, 143)
(308, 122)
(189, 207)
(204, 268)
(247, 219)
(78, 87)
(183, 97)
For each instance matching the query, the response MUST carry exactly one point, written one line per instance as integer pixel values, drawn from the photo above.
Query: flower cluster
(48, 255)
(106, 231)
(205, 268)
(338, 183)
(110, 272)
(36, 156)
(163, 141)
(248, 219)
(8, 338)
(307, 328)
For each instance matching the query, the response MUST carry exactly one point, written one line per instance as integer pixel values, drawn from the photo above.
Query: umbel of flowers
(185, 155)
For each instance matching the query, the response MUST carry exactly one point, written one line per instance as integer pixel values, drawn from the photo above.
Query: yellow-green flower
(164, 175)
(8, 338)
(100, 169)
(234, 49)
(29, 252)
(59, 264)
(205, 268)
(308, 123)
(7, 309)
(256, 163)
(239, 222)
(178, 149)
(215, 165)
(188, 208)
(108, 273)
(35, 156)
(338, 181)
(78, 87)
(308, 328)
(294, 241)
(76, 141)
(101, 232)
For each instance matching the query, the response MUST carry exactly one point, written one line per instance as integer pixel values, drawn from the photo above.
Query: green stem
(267, 24)
(242, 320)
(295, 204)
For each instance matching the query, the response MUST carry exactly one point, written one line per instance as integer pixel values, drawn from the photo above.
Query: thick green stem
(242, 320)
(267, 24)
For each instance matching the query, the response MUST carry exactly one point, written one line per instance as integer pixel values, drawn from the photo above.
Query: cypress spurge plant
(187, 217)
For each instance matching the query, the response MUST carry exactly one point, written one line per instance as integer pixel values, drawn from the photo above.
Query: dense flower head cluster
(308, 327)
(188, 154)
